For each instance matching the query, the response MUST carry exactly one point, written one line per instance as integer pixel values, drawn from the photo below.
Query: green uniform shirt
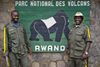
(78, 36)
(17, 37)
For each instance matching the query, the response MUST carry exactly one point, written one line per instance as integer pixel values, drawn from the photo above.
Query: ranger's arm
(66, 51)
(88, 43)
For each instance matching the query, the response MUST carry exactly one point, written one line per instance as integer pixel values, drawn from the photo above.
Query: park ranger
(78, 42)
(16, 43)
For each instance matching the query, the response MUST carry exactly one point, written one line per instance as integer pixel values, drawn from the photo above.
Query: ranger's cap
(78, 14)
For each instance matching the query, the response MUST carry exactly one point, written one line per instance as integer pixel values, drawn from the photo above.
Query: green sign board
(47, 22)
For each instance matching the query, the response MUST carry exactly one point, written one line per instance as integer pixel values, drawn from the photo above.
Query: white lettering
(21, 3)
(78, 3)
(37, 48)
(43, 47)
(56, 48)
(60, 3)
(88, 3)
(50, 47)
(41, 3)
(16, 3)
(62, 48)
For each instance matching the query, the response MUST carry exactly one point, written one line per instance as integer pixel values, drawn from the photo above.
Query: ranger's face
(78, 20)
(15, 17)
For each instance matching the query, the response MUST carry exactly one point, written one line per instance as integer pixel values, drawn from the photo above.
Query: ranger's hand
(30, 52)
(5, 56)
(84, 56)
(66, 52)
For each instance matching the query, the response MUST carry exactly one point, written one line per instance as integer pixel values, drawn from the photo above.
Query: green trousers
(17, 60)
(76, 62)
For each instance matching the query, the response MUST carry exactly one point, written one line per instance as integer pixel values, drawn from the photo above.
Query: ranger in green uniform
(78, 43)
(16, 43)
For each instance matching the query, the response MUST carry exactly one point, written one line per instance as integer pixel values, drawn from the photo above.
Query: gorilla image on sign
(58, 23)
